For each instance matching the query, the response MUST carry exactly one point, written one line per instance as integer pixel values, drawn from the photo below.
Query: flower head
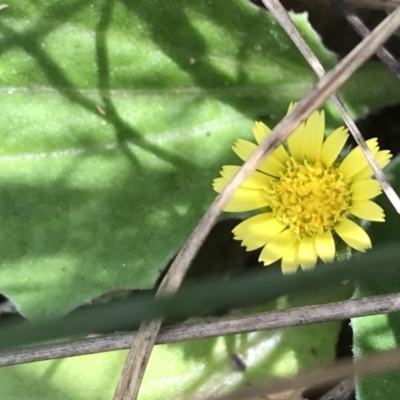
(307, 195)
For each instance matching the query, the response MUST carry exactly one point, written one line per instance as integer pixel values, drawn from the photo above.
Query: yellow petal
(307, 253)
(245, 199)
(244, 149)
(292, 105)
(353, 235)
(219, 184)
(271, 165)
(256, 231)
(242, 229)
(333, 145)
(290, 260)
(257, 180)
(325, 246)
(280, 154)
(382, 158)
(294, 142)
(314, 136)
(365, 189)
(260, 131)
(355, 161)
(277, 247)
(367, 210)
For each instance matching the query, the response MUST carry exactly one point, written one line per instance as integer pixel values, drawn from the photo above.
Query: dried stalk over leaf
(227, 326)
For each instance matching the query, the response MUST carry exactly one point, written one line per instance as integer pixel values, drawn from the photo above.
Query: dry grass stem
(342, 391)
(233, 325)
(373, 4)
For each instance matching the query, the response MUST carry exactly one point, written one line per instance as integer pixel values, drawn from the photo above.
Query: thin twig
(130, 380)
(321, 375)
(280, 13)
(374, 4)
(342, 391)
(363, 31)
(228, 326)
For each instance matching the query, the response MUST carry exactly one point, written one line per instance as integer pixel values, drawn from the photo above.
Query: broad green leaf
(388, 232)
(373, 334)
(208, 366)
(252, 290)
(380, 332)
(115, 118)
(175, 371)
(181, 370)
(91, 377)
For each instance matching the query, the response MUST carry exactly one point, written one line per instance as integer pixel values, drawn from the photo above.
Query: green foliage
(175, 371)
(296, 349)
(206, 297)
(183, 369)
(380, 332)
(205, 367)
(372, 334)
(115, 118)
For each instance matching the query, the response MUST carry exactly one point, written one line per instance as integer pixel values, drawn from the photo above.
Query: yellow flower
(308, 198)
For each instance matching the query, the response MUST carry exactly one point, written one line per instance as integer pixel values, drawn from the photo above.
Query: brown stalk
(227, 326)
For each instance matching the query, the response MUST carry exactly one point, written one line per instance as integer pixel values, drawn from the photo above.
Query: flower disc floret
(309, 198)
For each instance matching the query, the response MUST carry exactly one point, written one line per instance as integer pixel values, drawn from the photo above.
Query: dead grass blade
(227, 326)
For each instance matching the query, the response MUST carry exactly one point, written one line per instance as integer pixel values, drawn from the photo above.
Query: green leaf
(380, 332)
(208, 366)
(91, 377)
(175, 370)
(203, 367)
(373, 334)
(246, 291)
(115, 119)
(388, 232)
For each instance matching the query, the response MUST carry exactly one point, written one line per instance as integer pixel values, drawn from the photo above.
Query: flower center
(309, 198)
